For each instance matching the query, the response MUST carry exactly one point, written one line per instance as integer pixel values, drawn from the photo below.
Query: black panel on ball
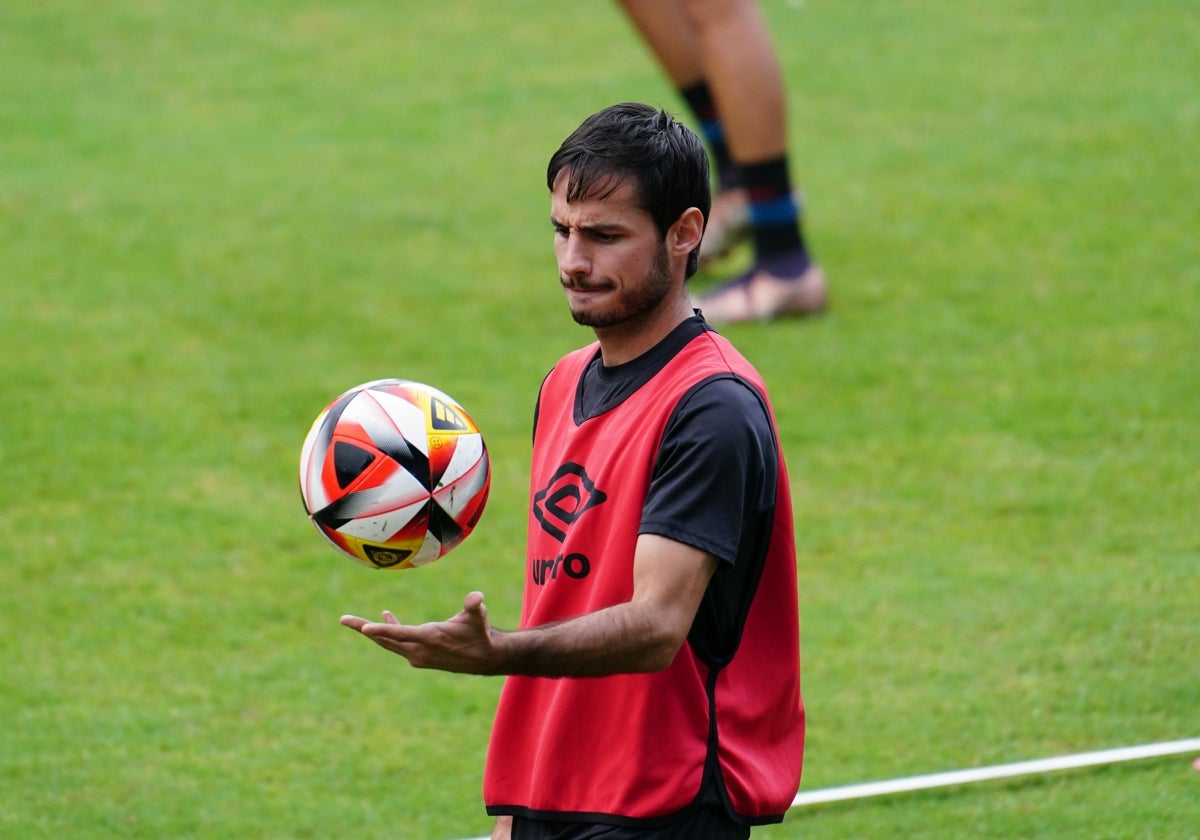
(349, 461)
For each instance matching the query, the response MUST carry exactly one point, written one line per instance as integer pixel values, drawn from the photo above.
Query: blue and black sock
(775, 218)
(699, 99)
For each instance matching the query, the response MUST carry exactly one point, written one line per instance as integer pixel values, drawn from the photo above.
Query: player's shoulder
(725, 403)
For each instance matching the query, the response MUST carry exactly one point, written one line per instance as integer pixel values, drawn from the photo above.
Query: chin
(596, 320)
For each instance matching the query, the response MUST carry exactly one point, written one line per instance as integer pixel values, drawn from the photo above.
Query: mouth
(584, 288)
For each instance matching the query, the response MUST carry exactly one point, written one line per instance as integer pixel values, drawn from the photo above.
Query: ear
(684, 236)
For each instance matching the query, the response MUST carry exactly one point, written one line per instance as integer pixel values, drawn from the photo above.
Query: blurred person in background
(719, 56)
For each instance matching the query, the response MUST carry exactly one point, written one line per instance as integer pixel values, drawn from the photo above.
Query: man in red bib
(653, 687)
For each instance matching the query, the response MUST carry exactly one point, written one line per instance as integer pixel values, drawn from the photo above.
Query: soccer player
(653, 687)
(719, 56)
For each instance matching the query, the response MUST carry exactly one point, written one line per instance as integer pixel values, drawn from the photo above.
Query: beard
(635, 301)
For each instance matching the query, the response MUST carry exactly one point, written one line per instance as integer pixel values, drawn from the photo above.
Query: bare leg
(668, 31)
(740, 65)
(726, 44)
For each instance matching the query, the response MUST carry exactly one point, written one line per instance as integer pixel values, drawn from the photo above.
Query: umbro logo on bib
(565, 498)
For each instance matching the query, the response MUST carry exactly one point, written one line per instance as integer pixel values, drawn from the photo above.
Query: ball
(394, 474)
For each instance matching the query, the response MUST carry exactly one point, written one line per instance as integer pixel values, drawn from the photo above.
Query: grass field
(215, 216)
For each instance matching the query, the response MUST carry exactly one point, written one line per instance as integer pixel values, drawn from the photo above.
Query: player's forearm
(623, 639)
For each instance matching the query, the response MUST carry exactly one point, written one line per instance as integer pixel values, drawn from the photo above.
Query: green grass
(216, 216)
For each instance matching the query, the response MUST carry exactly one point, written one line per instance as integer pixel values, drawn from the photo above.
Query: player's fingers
(353, 622)
(390, 618)
(473, 603)
(391, 630)
(474, 607)
(392, 645)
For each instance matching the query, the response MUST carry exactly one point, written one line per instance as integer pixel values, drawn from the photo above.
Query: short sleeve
(716, 469)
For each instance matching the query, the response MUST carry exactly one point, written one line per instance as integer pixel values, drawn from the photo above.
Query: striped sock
(699, 99)
(775, 217)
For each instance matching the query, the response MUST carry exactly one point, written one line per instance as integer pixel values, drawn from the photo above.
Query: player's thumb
(473, 605)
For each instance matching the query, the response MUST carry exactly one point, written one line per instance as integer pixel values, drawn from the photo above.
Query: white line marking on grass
(996, 771)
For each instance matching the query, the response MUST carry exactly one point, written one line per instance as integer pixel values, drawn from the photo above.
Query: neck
(626, 341)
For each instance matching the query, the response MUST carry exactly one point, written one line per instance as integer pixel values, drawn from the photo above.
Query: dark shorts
(699, 824)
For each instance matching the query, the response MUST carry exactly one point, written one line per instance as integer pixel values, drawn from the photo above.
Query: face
(612, 262)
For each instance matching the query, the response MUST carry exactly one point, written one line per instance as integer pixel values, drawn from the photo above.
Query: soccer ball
(394, 474)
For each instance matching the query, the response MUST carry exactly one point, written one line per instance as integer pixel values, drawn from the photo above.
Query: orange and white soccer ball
(394, 474)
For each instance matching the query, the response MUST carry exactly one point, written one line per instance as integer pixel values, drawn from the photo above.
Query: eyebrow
(598, 227)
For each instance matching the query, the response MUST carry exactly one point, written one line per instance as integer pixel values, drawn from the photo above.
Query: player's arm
(643, 634)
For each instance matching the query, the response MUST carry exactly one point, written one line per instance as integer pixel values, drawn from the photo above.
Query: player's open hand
(462, 644)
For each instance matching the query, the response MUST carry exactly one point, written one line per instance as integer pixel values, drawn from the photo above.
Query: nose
(573, 259)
